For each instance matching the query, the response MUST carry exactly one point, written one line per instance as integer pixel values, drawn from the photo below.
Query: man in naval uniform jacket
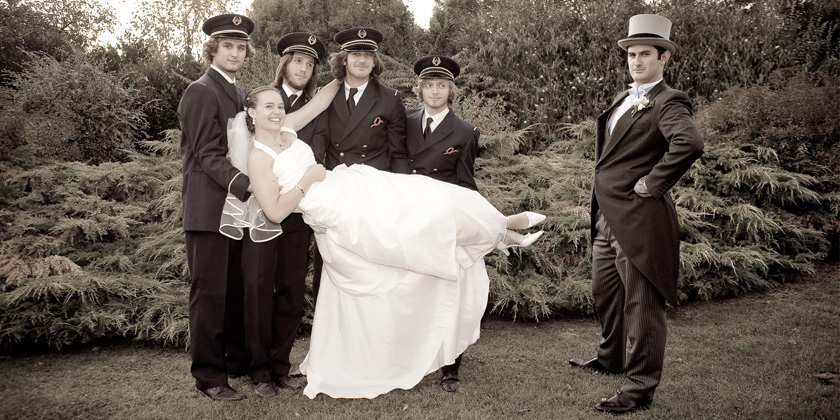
(217, 338)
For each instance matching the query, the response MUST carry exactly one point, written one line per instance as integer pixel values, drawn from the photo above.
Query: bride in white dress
(401, 293)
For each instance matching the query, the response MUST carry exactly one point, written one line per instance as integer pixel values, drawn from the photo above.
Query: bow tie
(637, 93)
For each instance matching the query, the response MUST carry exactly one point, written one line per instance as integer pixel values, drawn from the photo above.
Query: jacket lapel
(626, 121)
(339, 104)
(441, 131)
(414, 130)
(369, 97)
(236, 94)
(601, 127)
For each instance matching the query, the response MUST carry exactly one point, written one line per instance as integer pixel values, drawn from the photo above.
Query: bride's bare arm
(278, 206)
(321, 101)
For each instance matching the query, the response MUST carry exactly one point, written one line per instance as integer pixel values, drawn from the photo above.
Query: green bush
(78, 105)
(158, 82)
(787, 115)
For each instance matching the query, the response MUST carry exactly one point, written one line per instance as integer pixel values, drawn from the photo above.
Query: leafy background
(92, 246)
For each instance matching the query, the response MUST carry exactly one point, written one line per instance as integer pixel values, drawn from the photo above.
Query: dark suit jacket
(204, 111)
(448, 154)
(660, 142)
(374, 135)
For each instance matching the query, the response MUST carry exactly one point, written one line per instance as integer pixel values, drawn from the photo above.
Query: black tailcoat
(660, 142)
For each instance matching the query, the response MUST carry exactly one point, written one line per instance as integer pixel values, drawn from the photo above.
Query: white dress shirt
(436, 119)
(635, 93)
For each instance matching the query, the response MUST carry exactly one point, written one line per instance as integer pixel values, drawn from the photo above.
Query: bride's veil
(238, 215)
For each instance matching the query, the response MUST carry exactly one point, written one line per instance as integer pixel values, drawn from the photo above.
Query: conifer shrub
(69, 268)
(787, 116)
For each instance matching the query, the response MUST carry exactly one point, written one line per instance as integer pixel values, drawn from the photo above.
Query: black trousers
(217, 344)
(275, 284)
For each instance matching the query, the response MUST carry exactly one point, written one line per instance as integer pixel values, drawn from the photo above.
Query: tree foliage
(27, 30)
(74, 110)
(174, 26)
(558, 62)
(82, 21)
(402, 38)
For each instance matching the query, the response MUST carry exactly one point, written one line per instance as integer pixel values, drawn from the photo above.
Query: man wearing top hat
(645, 141)
(215, 308)
(275, 276)
(443, 146)
(366, 120)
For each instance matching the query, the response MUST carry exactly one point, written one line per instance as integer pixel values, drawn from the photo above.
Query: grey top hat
(649, 30)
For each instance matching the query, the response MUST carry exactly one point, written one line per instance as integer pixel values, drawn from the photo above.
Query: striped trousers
(630, 310)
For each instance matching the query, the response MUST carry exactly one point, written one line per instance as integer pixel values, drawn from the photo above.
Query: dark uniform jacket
(374, 135)
(660, 142)
(208, 175)
(448, 154)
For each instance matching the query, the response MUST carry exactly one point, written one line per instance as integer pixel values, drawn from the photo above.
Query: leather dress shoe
(621, 403)
(222, 393)
(450, 382)
(592, 363)
(286, 381)
(265, 389)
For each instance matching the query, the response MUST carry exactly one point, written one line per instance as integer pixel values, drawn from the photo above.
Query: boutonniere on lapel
(640, 104)
(377, 121)
(450, 151)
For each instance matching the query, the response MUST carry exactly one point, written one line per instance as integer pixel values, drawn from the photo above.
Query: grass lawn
(754, 357)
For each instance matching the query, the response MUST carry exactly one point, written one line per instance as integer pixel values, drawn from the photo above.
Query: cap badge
(312, 40)
(237, 20)
(362, 33)
(436, 61)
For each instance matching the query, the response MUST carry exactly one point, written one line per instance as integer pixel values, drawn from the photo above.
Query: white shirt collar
(213, 66)
(436, 119)
(360, 88)
(289, 91)
(642, 90)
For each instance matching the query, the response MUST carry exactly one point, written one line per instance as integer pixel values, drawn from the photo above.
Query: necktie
(351, 103)
(291, 101)
(428, 129)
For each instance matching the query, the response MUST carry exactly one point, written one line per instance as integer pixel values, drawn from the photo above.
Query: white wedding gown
(403, 287)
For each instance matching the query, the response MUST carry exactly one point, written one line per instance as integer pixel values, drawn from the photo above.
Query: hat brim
(304, 51)
(658, 42)
(231, 35)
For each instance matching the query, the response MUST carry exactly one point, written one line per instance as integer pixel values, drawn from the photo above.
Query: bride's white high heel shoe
(534, 218)
(528, 240)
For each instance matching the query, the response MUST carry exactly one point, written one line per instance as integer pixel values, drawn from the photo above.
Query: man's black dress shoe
(222, 393)
(450, 382)
(592, 363)
(265, 389)
(285, 381)
(621, 403)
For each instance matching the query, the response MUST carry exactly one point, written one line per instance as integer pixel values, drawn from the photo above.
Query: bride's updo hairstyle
(251, 102)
